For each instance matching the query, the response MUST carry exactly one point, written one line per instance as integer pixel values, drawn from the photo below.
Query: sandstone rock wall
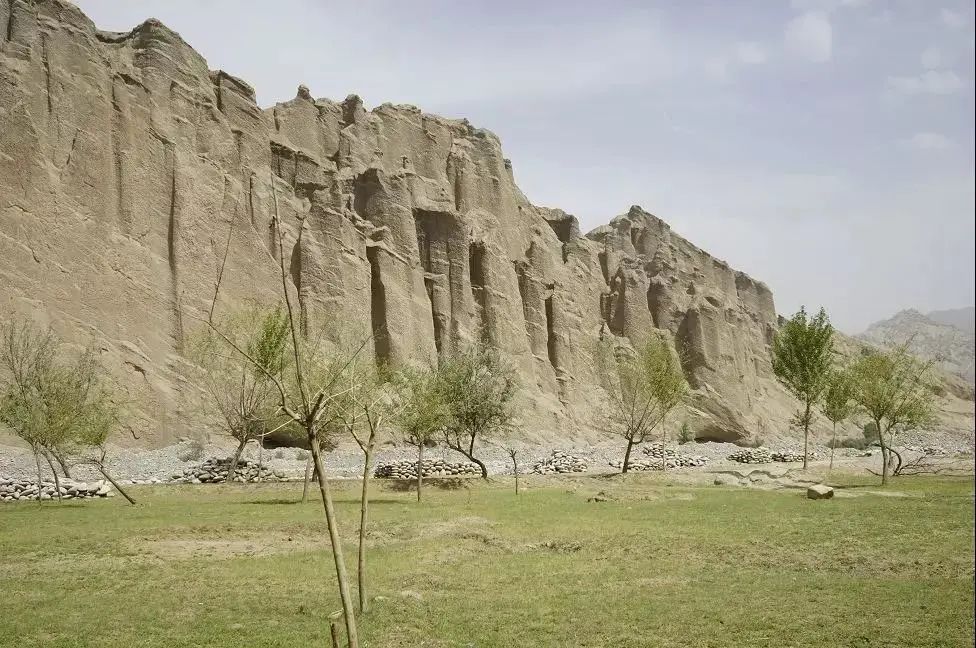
(132, 177)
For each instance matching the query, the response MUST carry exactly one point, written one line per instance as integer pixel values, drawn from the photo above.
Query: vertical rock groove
(172, 241)
(377, 307)
(478, 271)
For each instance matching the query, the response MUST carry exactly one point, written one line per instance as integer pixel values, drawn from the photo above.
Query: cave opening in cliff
(377, 307)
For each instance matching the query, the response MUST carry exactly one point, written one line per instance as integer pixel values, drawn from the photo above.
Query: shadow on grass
(440, 483)
(317, 500)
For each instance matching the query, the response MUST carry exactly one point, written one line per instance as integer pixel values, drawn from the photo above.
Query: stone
(819, 491)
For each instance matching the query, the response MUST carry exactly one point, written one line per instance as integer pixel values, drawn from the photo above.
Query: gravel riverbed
(164, 464)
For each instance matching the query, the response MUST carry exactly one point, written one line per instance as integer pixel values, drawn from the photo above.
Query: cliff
(132, 176)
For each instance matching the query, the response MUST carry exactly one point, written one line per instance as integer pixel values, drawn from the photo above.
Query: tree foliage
(644, 386)
(893, 390)
(478, 389)
(803, 352)
(243, 391)
(58, 403)
(838, 404)
(838, 399)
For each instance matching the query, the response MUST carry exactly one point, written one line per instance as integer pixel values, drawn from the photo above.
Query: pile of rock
(787, 456)
(406, 469)
(560, 462)
(214, 470)
(673, 458)
(12, 490)
(752, 455)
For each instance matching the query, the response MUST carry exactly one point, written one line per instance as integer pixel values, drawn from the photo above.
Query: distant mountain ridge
(963, 319)
(946, 336)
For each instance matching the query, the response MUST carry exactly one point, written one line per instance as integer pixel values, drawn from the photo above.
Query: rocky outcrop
(952, 347)
(134, 181)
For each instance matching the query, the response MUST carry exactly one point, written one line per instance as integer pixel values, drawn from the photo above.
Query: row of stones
(215, 470)
(406, 469)
(673, 458)
(765, 455)
(560, 462)
(12, 490)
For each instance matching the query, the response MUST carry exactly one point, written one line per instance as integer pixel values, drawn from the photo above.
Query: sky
(825, 147)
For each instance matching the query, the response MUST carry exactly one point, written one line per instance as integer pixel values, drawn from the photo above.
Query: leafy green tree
(892, 388)
(644, 387)
(60, 405)
(242, 391)
(479, 389)
(422, 412)
(838, 404)
(802, 358)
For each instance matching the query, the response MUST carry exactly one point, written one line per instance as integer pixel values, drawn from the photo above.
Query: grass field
(657, 565)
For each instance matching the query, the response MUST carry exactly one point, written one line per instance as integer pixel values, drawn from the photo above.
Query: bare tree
(513, 453)
(422, 412)
(308, 395)
(643, 388)
(893, 390)
(365, 413)
(479, 389)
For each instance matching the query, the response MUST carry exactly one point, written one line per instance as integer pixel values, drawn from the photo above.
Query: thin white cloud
(750, 53)
(954, 19)
(937, 82)
(929, 141)
(932, 58)
(827, 5)
(810, 37)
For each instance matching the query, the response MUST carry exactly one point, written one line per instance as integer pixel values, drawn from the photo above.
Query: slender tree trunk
(37, 460)
(340, 564)
(626, 466)
(884, 454)
(232, 468)
(57, 481)
(115, 484)
(63, 464)
(515, 465)
(308, 477)
(363, 521)
(806, 435)
(420, 469)
(833, 444)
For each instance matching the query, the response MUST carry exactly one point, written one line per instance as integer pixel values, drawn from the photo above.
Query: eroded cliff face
(132, 177)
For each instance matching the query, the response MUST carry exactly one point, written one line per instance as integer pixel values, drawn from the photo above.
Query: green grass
(657, 565)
